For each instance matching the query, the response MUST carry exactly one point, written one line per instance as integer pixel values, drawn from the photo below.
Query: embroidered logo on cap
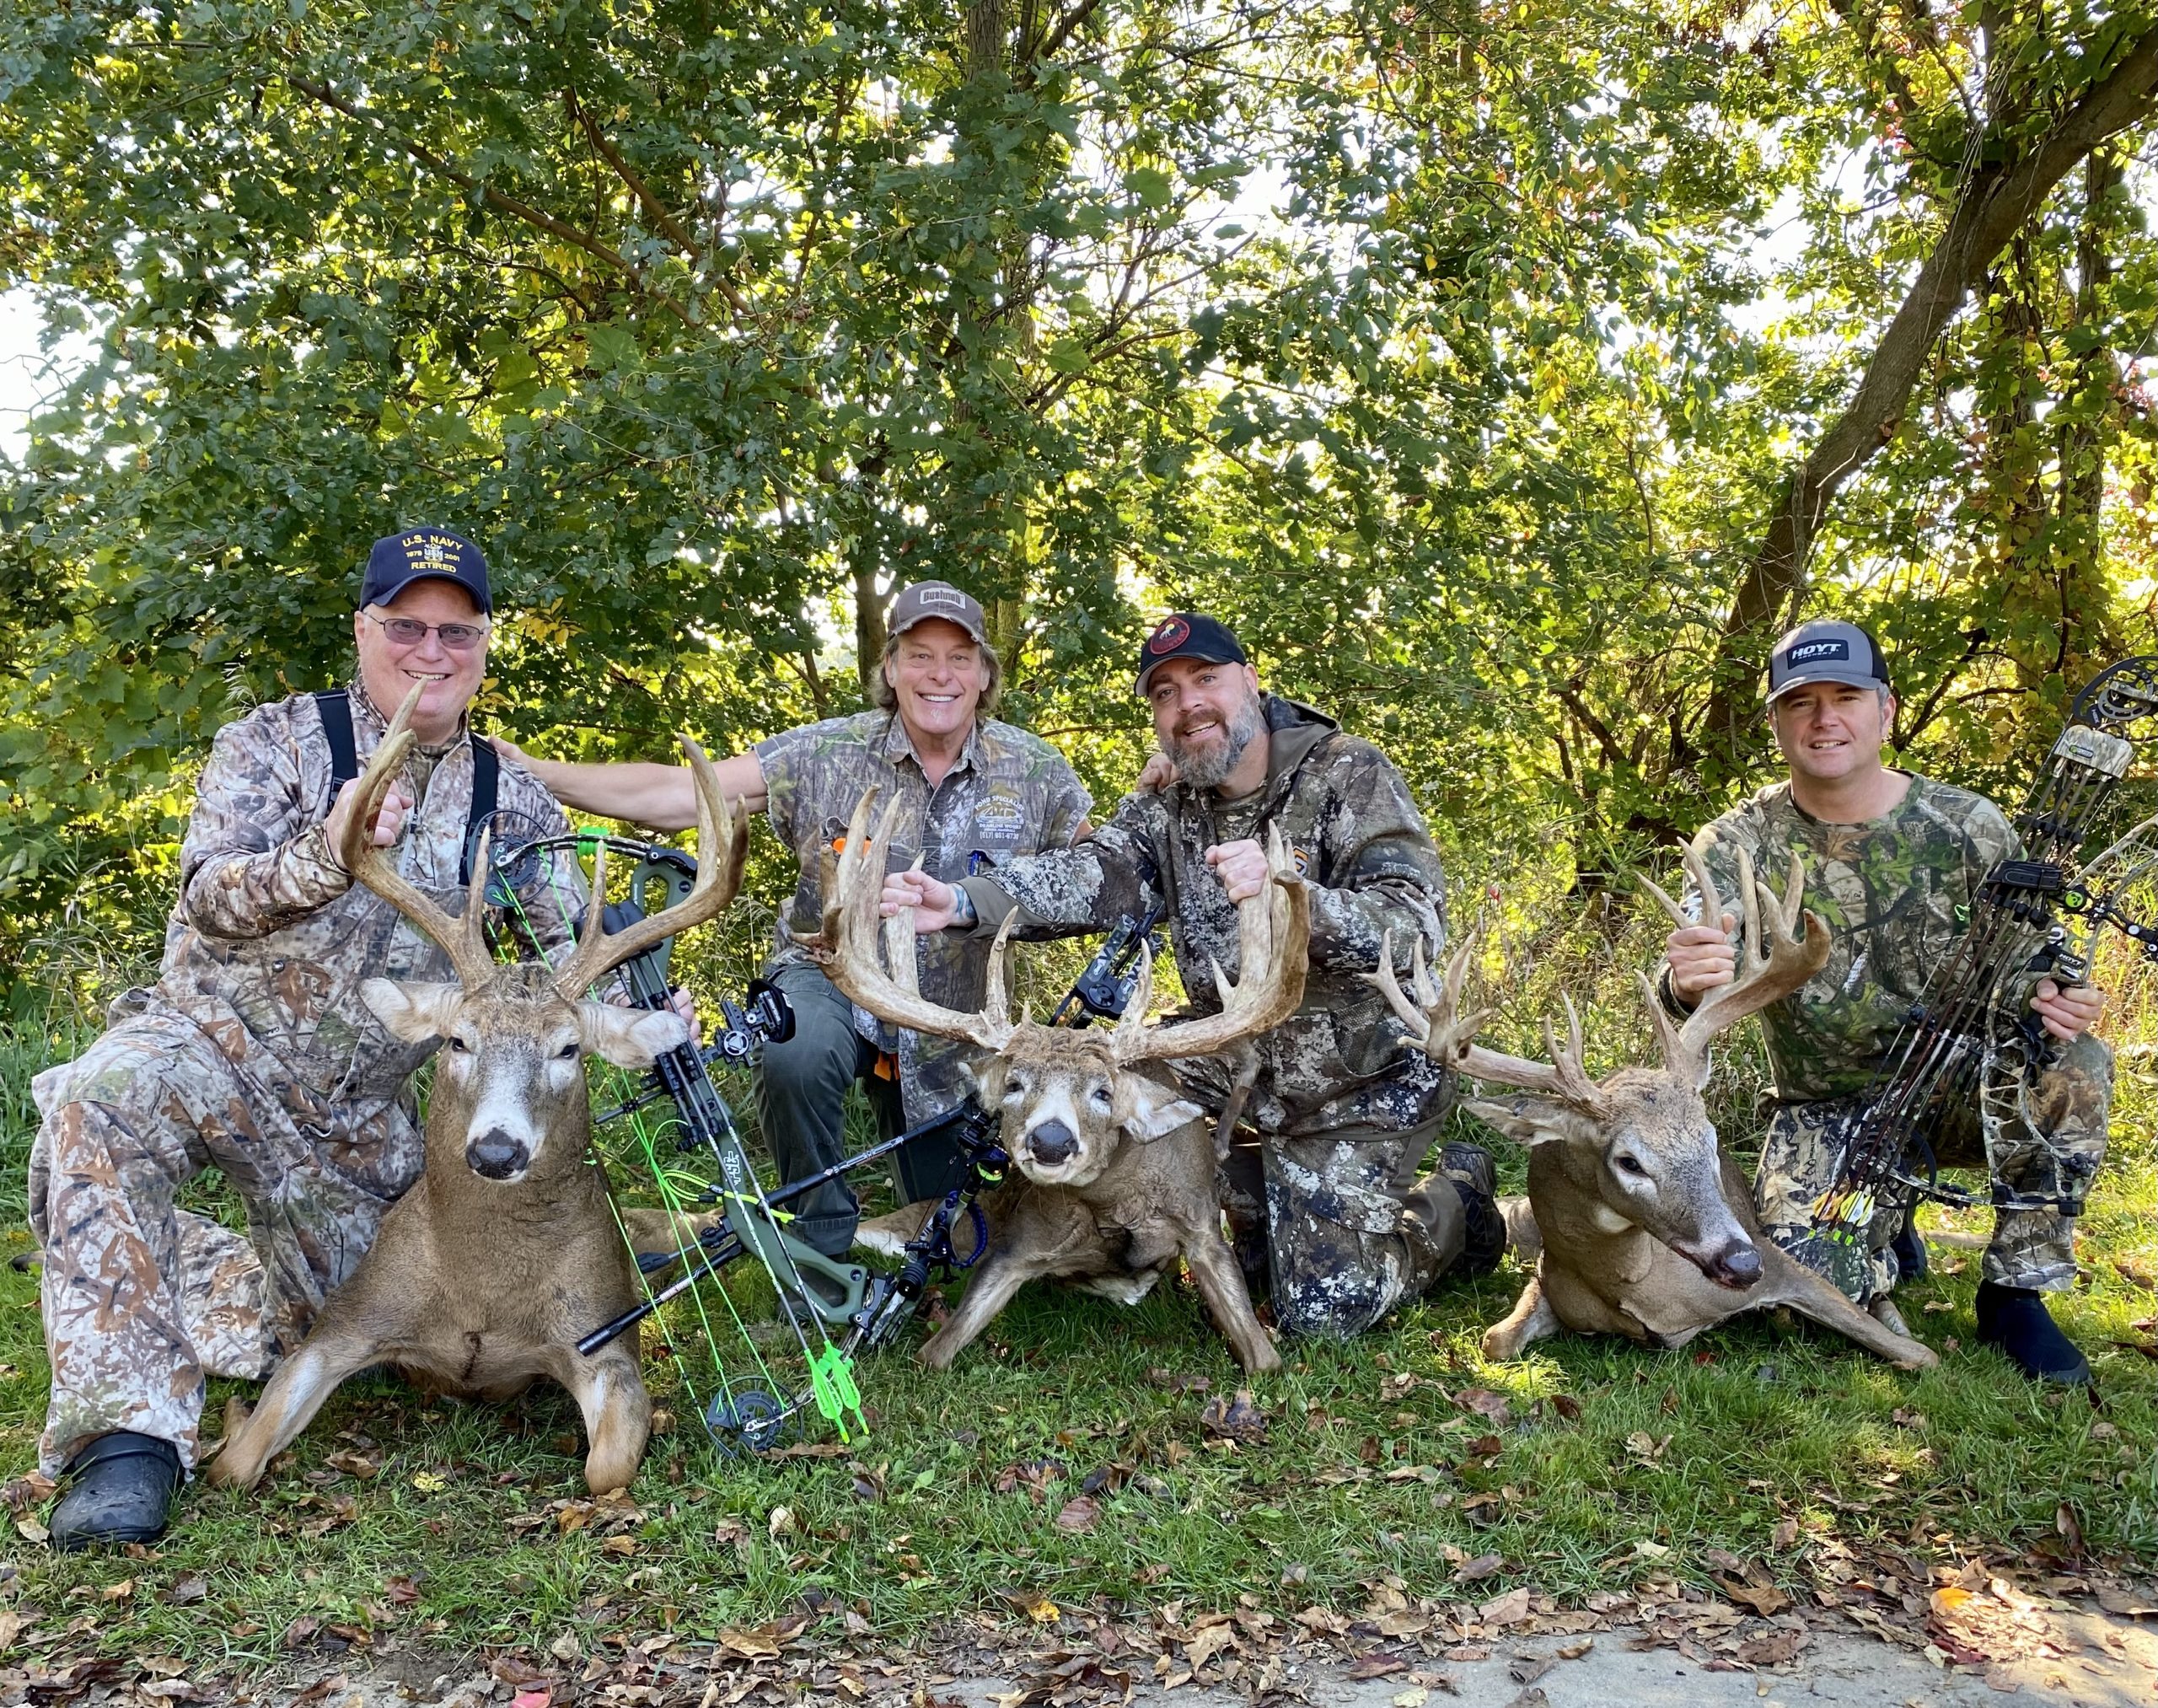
(948, 597)
(1173, 633)
(1817, 652)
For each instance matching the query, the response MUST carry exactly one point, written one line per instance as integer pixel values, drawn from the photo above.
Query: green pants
(801, 1089)
(2048, 1139)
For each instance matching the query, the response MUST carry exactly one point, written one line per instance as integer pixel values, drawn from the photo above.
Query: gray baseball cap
(936, 598)
(1826, 652)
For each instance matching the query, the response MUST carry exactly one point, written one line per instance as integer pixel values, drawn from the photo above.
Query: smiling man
(254, 1053)
(1325, 1191)
(1892, 862)
(973, 794)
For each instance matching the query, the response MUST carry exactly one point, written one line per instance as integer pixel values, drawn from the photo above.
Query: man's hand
(932, 902)
(388, 823)
(683, 1003)
(1161, 771)
(2068, 1011)
(1700, 957)
(1241, 867)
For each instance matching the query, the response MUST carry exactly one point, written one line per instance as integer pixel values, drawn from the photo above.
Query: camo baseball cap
(1826, 651)
(936, 598)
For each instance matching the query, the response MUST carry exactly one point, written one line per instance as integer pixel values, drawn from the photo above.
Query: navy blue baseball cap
(425, 554)
(1826, 651)
(1187, 635)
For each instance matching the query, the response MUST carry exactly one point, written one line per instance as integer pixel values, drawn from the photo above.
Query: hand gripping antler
(464, 936)
(1762, 977)
(1273, 933)
(847, 946)
(1437, 1028)
(722, 844)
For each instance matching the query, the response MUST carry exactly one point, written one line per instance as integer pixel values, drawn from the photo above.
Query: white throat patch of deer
(1113, 1170)
(1646, 1229)
(485, 1275)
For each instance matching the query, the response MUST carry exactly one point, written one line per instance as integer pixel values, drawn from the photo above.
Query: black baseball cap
(1187, 635)
(425, 554)
(1826, 651)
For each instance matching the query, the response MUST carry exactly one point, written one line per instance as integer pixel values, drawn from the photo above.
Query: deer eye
(1015, 1086)
(1627, 1164)
(1099, 1097)
(459, 1045)
(568, 1052)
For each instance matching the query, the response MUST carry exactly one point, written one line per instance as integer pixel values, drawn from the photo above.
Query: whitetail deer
(485, 1275)
(1115, 1170)
(1647, 1228)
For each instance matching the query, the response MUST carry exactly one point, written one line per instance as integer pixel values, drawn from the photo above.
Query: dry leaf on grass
(1238, 1420)
(1482, 1566)
(1079, 1515)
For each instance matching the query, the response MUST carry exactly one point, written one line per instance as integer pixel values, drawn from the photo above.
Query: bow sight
(678, 1161)
(2035, 916)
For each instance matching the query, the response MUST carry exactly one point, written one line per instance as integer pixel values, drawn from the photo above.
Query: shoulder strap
(334, 706)
(486, 787)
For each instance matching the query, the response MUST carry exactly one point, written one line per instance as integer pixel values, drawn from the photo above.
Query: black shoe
(1468, 1167)
(1909, 1249)
(2018, 1323)
(122, 1491)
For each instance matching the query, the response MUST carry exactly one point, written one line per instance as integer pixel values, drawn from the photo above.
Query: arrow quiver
(1972, 1037)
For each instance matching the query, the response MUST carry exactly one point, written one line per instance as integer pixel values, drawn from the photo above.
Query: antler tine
(1771, 966)
(1414, 1015)
(1274, 946)
(722, 846)
(847, 946)
(462, 938)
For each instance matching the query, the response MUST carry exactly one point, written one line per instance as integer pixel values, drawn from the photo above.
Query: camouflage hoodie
(271, 936)
(1357, 837)
(1896, 894)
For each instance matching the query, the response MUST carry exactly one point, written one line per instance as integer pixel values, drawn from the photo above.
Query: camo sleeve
(1063, 892)
(1383, 876)
(256, 857)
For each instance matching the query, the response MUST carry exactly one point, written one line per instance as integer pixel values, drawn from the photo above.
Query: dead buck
(1648, 1230)
(485, 1273)
(1115, 1169)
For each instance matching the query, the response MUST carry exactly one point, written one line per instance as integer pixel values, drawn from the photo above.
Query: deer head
(509, 1089)
(1068, 1098)
(1639, 1141)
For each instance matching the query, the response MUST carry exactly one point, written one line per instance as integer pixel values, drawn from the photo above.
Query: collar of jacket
(898, 745)
(367, 713)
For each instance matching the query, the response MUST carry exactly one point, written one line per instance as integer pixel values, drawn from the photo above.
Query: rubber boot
(121, 1491)
(1909, 1249)
(2017, 1323)
(1468, 1167)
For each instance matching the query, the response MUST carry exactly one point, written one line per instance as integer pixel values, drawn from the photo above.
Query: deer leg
(288, 1404)
(1785, 1281)
(1001, 1276)
(1531, 1320)
(611, 1392)
(1221, 1285)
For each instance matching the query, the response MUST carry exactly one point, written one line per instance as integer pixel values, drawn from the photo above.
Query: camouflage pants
(142, 1300)
(2048, 1143)
(1332, 1214)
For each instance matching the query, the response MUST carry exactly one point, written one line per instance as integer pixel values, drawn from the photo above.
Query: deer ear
(1156, 1111)
(630, 1037)
(1533, 1120)
(412, 1013)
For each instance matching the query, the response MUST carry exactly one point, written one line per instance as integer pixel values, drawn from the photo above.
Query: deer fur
(1112, 1170)
(483, 1276)
(1647, 1229)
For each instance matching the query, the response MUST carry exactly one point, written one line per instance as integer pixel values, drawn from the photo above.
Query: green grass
(1372, 1468)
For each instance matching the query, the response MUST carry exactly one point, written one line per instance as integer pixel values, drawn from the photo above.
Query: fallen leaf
(1080, 1514)
(2070, 1528)
(1764, 1598)
(1042, 1610)
(1202, 1646)
(781, 1522)
(1532, 1697)
(1510, 1608)
(1772, 1650)
(618, 1545)
(1484, 1403)
(760, 1644)
(1526, 1669)
(1574, 1652)
(1784, 1534)
(1567, 1407)
(1414, 1697)
(1376, 1666)
(532, 1699)
(29, 1529)
(1238, 1420)
(1482, 1566)
(186, 1589)
(430, 1482)
(364, 1466)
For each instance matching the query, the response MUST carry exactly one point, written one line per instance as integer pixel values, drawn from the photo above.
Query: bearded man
(1325, 1193)
(255, 1054)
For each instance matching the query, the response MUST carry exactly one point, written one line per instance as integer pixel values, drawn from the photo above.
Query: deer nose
(496, 1155)
(1738, 1265)
(1053, 1143)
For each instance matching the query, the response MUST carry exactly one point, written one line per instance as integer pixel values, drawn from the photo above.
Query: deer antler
(1274, 931)
(1762, 977)
(1437, 1028)
(723, 843)
(848, 945)
(464, 937)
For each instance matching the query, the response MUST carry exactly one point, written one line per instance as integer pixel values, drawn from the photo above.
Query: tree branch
(655, 210)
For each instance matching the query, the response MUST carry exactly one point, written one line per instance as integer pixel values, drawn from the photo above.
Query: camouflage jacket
(271, 938)
(1359, 839)
(1896, 895)
(1009, 794)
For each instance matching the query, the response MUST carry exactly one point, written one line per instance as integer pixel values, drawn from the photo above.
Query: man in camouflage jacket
(1892, 864)
(971, 792)
(1343, 1117)
(253, 1054)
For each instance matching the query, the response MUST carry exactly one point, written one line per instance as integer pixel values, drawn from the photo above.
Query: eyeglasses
(409, 631)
